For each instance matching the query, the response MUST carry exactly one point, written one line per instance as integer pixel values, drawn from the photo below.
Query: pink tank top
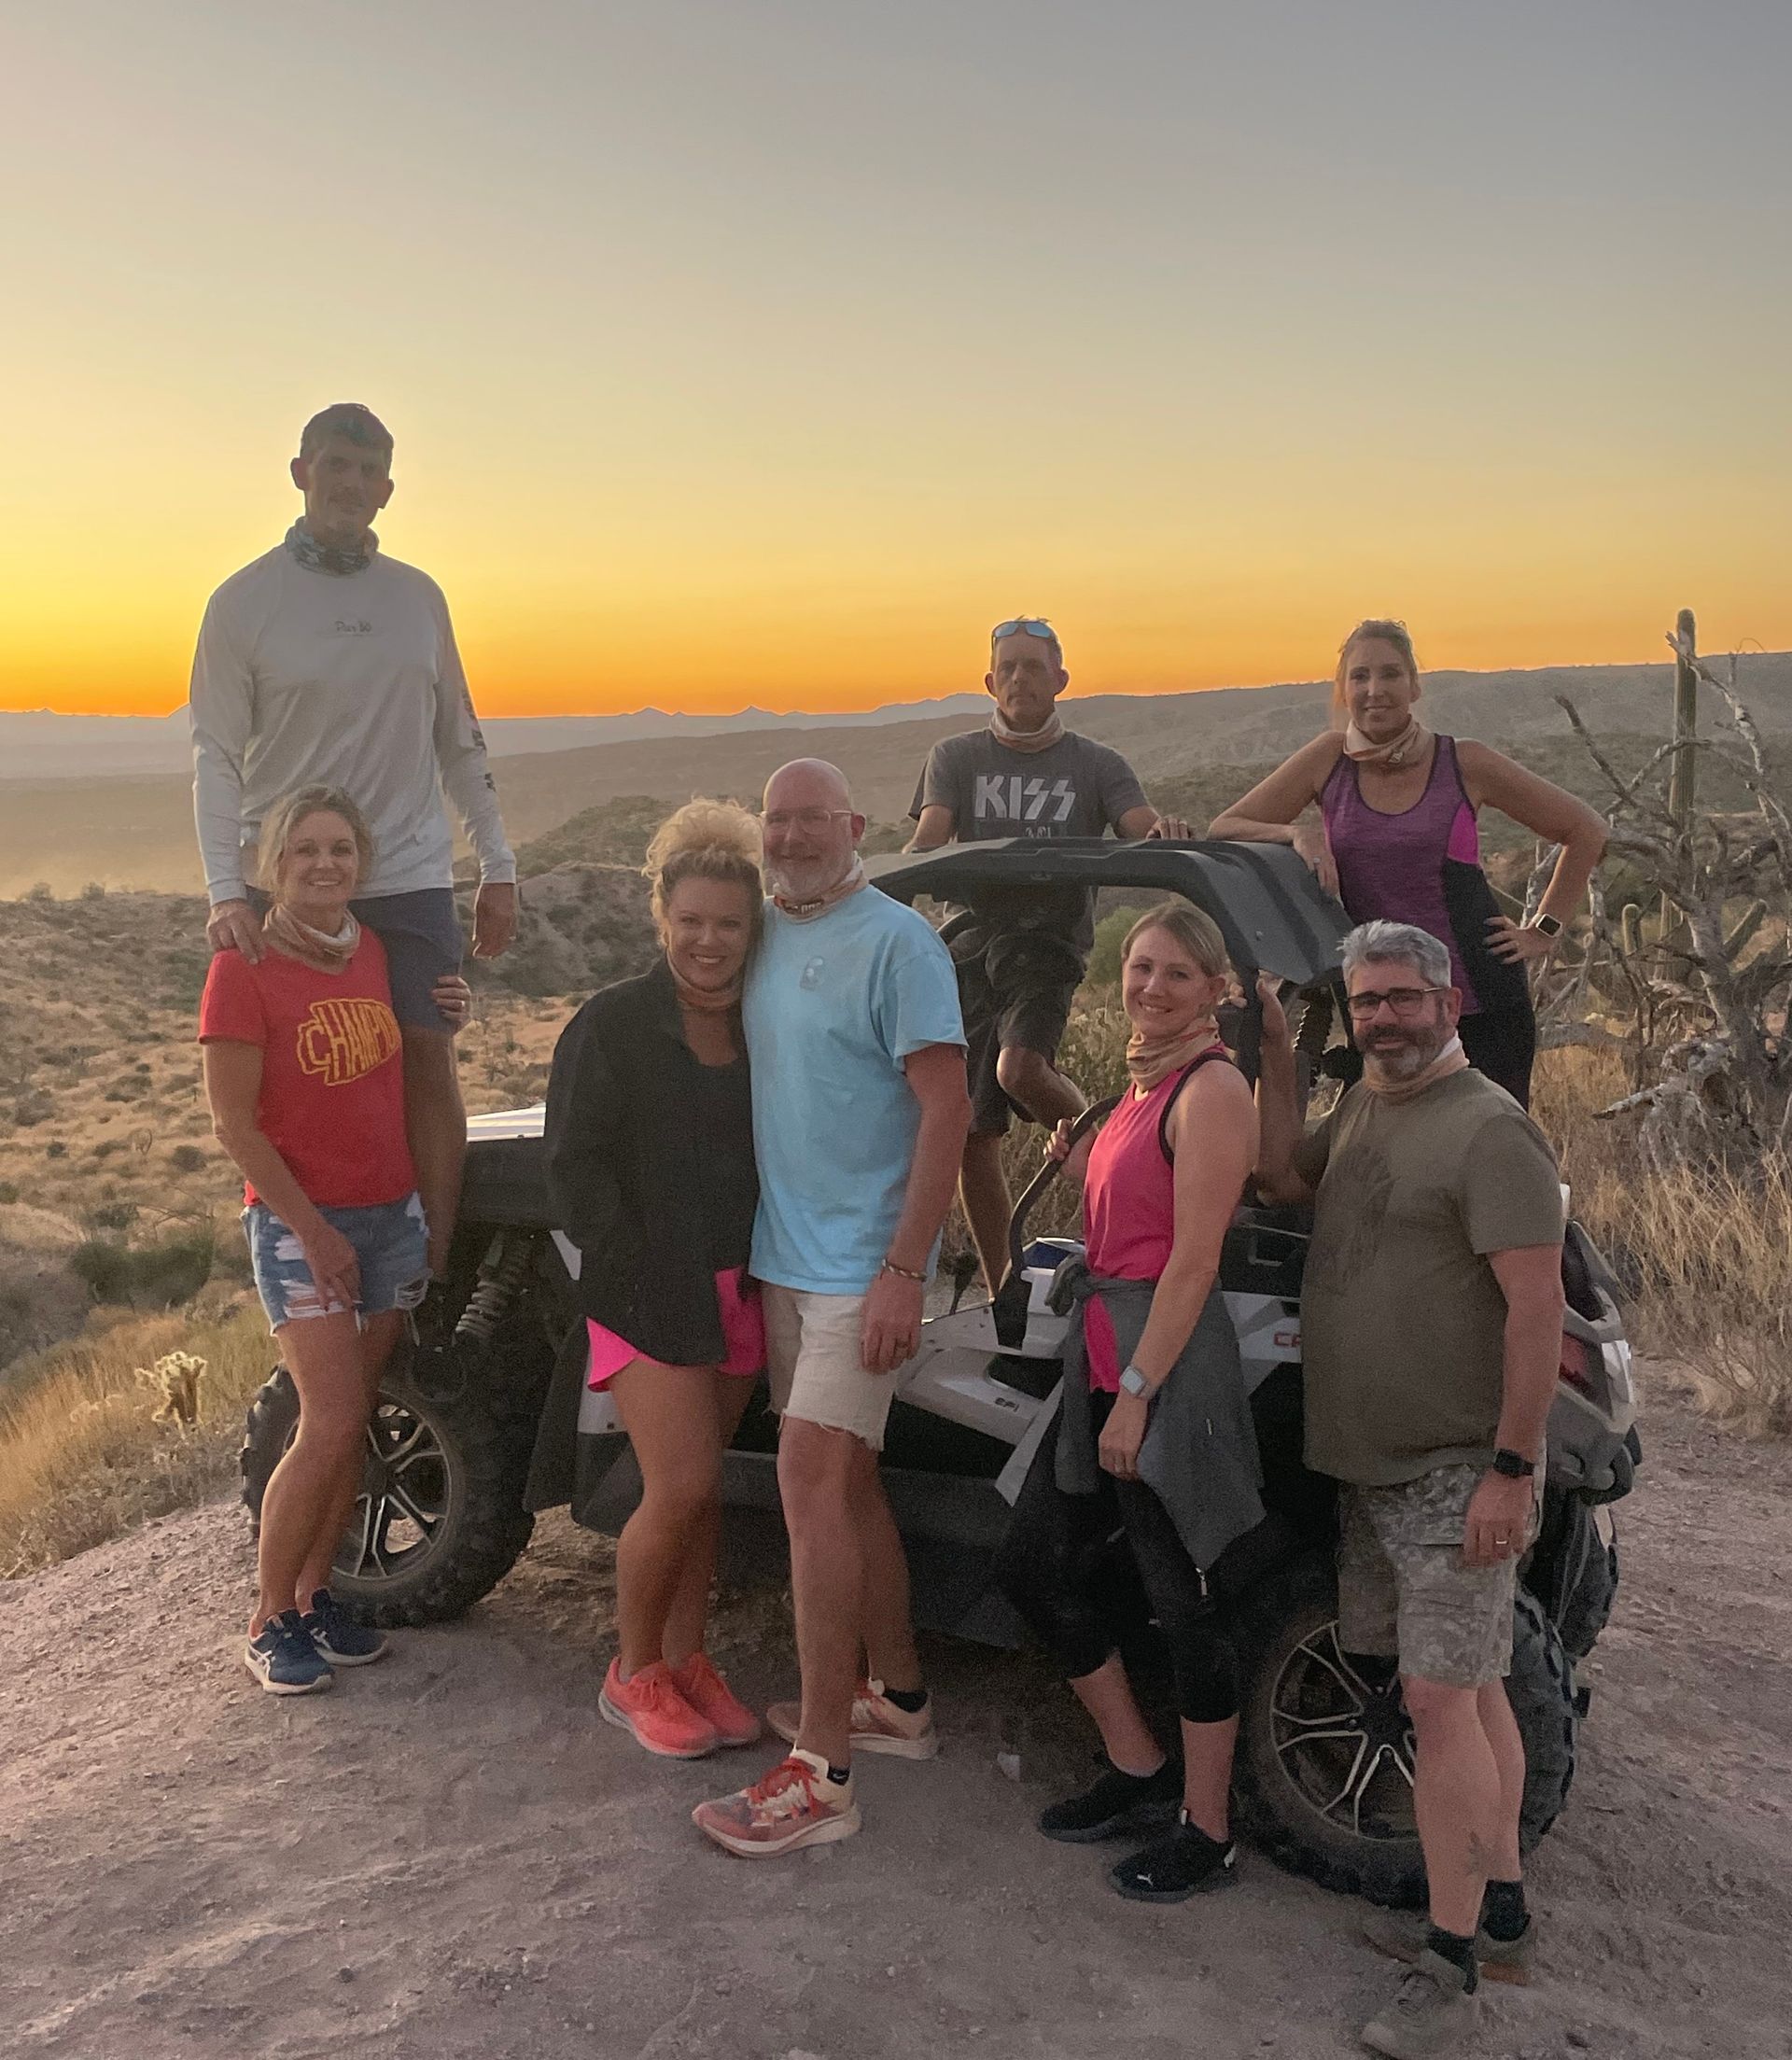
(1391, 867)
(1128, 1211)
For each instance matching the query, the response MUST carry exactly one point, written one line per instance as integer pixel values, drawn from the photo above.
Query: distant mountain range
(39, 744)
(133, 828)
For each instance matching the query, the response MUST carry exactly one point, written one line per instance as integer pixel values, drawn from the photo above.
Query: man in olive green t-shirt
(1431, 1336)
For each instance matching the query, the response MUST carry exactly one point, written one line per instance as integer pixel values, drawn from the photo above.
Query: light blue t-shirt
(832, 1007)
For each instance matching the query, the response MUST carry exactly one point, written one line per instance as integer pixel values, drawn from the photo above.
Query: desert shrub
(174, 1270)
(40, 890)
(1110, 935)
(158, 1275)
(93, 891)
(55, 1149)
(8, 1190)
(186, 1159)
(112, 1215)
(103, 1267)
(126, 1090)
(33, 1108)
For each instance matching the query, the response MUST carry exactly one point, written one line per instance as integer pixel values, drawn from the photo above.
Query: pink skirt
(743, 1334)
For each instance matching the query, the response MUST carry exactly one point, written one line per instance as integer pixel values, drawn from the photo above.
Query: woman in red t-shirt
(306, 1085)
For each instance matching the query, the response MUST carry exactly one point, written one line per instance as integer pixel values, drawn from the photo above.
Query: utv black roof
(1274, 915)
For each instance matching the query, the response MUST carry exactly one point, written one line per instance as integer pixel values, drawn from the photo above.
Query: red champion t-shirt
(333, 1081)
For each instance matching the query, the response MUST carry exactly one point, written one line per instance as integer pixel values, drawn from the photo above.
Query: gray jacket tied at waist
(1199, 1456)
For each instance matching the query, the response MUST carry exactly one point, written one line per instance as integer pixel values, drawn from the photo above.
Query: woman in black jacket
(650, 1147)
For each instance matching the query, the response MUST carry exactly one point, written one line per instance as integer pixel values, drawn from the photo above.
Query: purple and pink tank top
(1129, 1210)
(1394, 868)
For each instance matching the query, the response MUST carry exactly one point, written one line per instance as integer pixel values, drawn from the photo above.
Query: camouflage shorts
(1403, 1586)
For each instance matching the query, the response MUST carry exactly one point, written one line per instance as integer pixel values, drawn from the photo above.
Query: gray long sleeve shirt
(353, 681)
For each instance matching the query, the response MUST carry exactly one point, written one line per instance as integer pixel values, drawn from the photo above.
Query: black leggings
(1502, 1043)
(1070, 1565)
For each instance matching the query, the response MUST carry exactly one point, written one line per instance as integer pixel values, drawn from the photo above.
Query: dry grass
(1706, 1257)
(82, 1455)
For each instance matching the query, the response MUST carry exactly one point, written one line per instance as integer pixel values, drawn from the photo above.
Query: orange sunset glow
(768, 355)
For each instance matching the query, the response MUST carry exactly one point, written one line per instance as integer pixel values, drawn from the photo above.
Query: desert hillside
(111, 1187)
(137, 831)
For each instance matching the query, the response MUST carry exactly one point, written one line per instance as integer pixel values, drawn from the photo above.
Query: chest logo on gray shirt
(1014, 798)
(359, 628)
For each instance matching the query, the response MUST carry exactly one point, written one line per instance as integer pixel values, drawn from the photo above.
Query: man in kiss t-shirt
(1020, 956)
(332, 1078)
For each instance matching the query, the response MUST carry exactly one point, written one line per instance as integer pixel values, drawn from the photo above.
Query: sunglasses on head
(1024, 625)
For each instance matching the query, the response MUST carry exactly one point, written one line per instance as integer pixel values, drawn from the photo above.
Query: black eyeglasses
(1402, 1000)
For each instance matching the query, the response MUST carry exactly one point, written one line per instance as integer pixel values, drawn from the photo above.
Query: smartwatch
(1549, 925)
(1134, 1383)
(1513, 1465)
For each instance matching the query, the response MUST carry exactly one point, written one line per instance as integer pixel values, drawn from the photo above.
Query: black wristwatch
(1513, 1465)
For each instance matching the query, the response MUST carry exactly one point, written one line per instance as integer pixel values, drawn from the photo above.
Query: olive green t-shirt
(1402, 1318)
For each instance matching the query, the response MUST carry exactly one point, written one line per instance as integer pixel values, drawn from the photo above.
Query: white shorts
(813, 1363)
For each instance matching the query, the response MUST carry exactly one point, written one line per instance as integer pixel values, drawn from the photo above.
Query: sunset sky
(765, 351)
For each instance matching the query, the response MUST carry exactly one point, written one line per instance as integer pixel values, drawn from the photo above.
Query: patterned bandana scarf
(1397, 751)
(806, 912)
(1151, 1059)
(313, 948)
(1040, 740)
(319, 558)
(707, 1001)
(1453, 1059)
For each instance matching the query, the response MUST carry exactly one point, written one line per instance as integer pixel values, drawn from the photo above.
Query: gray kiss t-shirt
(1075, 788)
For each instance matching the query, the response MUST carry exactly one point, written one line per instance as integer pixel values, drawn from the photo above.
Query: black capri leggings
(1502, 1043)
(1064, 1567)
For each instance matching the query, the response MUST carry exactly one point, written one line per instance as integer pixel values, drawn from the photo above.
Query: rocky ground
(453, 1856)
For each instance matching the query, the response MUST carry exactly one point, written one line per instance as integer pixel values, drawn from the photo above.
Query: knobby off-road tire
(1321, 1781)
(441, 1520)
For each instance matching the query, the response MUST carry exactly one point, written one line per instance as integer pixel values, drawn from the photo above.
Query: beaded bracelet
(902, 1273)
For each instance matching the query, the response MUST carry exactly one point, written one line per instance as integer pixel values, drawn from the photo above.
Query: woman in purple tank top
(1397, 839)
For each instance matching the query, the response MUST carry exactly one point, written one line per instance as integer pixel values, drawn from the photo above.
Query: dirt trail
(452, 1856)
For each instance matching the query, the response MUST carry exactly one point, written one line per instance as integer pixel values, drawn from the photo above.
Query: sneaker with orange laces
(649, 1705)
(878, 1724)
(700, 1682)
(794, 1804)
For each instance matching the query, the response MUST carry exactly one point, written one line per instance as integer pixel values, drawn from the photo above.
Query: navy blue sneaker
(284, 1659)
(342, 1642)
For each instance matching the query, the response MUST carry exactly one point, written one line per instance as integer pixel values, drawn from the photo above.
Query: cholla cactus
(176, 1376)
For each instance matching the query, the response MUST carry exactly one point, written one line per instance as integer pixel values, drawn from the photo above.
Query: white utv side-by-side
(478, 1430)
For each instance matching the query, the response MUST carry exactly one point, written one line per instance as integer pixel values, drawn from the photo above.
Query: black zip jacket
(628, 1173)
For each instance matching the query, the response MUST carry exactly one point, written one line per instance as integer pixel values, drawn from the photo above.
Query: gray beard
(1410, 1061)
(780, 882)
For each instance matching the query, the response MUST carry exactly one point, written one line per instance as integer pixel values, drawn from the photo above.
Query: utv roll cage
(1272, 913)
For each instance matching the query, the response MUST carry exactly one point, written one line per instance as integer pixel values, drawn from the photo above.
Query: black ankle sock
(911, 1701)
(839, 1776)
(1503, 1915)
(1458, 1951)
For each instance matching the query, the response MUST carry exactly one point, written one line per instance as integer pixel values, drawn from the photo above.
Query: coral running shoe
(794, 1804)
(649, 1705)
(702, 1686)
(878, 1724)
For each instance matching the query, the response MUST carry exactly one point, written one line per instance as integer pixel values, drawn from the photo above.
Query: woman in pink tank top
(1397, 839)
(1155, 1438)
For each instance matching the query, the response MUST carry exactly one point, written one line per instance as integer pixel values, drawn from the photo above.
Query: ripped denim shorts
(389, 1241)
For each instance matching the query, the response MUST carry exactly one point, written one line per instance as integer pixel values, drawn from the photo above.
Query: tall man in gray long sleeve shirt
(325, 662)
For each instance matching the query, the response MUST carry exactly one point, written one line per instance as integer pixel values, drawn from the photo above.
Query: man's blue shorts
(390, 1242)
(422, 939)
